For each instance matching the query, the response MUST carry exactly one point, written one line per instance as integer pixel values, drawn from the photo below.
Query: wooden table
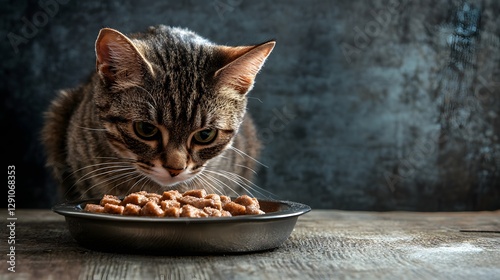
(326, 244)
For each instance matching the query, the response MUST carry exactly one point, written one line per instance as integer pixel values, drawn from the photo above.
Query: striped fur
(137, 123)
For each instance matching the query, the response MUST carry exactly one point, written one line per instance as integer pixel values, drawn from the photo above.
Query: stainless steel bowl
(162, 235)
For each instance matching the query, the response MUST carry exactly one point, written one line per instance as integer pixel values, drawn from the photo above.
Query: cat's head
(171, 101)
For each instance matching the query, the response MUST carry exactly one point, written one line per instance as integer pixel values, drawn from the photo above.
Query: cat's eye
(145, 130)
(205, 136)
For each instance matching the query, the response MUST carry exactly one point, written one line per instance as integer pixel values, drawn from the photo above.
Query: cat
(165, 109)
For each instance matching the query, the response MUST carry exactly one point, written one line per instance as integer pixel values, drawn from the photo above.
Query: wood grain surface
(326, 244)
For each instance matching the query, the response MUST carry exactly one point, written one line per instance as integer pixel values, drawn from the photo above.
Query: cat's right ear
(242, 65)
(118, 61)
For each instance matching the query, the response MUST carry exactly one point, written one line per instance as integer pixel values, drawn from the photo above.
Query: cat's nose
(174, 172)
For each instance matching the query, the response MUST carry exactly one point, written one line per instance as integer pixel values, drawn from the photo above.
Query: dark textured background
(372, 105)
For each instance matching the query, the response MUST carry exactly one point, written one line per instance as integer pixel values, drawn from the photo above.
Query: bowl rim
(286, 209)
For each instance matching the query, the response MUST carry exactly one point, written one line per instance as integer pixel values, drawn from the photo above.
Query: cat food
(193, 203)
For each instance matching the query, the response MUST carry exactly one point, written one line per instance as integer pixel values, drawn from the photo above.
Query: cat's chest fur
(165, 109)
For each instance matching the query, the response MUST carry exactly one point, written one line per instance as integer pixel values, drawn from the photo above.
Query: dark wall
(371, 105)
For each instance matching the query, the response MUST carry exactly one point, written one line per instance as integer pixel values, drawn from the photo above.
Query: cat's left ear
(242, 65)
(119, 61)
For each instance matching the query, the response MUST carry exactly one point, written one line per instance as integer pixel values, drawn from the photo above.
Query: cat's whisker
(159, 189)
(95, 165)
(219, 185)
(150, 95)
(120, 158)
(204, 181)
(189, 184)
(247, 168)
(138, 175)
(256, 98)
(151, 106)
(243, 154)
(244, 183)
(239, 165)
(244, 187)
(198, 183)
(145, 182)
(90, 128)
(100, 172)
(110, 179)
(121, 163)
(250, 184)
(222, 183)
(131, 175)
(136, 183)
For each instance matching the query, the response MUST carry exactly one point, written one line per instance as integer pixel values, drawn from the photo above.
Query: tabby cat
(165, 109)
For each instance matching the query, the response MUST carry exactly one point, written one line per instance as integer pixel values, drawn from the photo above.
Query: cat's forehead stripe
(159, 59)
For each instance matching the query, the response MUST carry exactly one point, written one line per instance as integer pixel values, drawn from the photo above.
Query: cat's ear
(243, 64)
(118, 60)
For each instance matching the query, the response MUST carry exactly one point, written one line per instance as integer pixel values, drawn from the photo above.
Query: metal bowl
(162, 235)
